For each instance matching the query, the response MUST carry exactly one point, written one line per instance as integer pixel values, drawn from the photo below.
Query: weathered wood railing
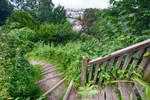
(116, 58)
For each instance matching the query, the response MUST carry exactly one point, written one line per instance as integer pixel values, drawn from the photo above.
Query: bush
(25, 20)
(108, 23)
(24, 34)
(4, 84)
(58, 32)
(46, 32)
(106, 26)
(23, 39)
(11, 26)
(19, 76)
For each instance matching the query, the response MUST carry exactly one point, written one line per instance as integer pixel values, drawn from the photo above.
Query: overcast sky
(82, 3)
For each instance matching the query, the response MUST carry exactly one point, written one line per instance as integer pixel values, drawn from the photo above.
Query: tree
(25, 4)
(30, 6)
(42, 10)
(59, 15)
(45, 11)
(136, 12)
(5, 10)
(90, 15)
(24, 19)
(49, 14)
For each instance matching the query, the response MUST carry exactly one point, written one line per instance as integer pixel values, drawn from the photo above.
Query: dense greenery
(135, 13)
(108, 33)
(24, 19)
(18, 36)
(68, 56)
(39, 31)
(18, 74)
(56, 32)
(90, 16)
(5, 10)
(43, 10)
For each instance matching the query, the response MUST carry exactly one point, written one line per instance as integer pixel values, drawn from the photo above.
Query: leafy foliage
(25, 34)
(7, 28)
(68, 56)
(45, 11)
(26, 5)
(59, 15)
(87, 90)
(58, 32)
(136, 13)
(24, 19)
(90, 15)
(4, 94)
(5, 10)
(125, 23)
(146, 87)
(19, 76)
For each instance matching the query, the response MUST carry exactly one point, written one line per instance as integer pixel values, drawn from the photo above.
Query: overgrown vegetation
(56, 32)
(87, 90)
(24, 19)
(40, 31)
(19, 74)
(68, 56)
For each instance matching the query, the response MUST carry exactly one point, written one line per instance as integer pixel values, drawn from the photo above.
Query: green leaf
(147, 54)
(92, 92)
(140, 82)
(148, 93)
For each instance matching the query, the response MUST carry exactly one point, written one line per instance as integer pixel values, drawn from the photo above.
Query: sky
(82, 3)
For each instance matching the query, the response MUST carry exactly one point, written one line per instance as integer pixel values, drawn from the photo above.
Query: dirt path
(48, 82)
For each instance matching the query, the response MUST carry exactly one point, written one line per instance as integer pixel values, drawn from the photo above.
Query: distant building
(73, 15)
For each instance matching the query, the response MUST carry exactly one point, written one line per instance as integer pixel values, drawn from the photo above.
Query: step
(54, 87)
(46, 79)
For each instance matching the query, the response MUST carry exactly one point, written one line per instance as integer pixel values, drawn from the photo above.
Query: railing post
(84, 68)
(147, 72)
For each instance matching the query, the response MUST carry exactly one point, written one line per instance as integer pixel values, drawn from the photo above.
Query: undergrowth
(68, 56)
(17, 75)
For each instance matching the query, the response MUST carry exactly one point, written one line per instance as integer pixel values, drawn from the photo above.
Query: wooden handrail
(132, 48)
(68, 91)
(54, 87)
(119, 55)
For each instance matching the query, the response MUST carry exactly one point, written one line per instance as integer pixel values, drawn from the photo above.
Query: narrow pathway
(50, 78)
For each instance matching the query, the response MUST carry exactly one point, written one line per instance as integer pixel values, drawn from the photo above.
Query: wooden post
(84, 68)
(147, 72)
(68, 91)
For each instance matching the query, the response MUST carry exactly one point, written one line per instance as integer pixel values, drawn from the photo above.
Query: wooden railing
(116, 58)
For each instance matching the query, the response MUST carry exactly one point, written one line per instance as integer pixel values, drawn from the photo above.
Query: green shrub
(58, 32)
(105, 25)
(111, 25)
(24, 34)
(20, 76)
(25, 20)
(7, 28)
(4, 84)
(24, 39)
(46, 32)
